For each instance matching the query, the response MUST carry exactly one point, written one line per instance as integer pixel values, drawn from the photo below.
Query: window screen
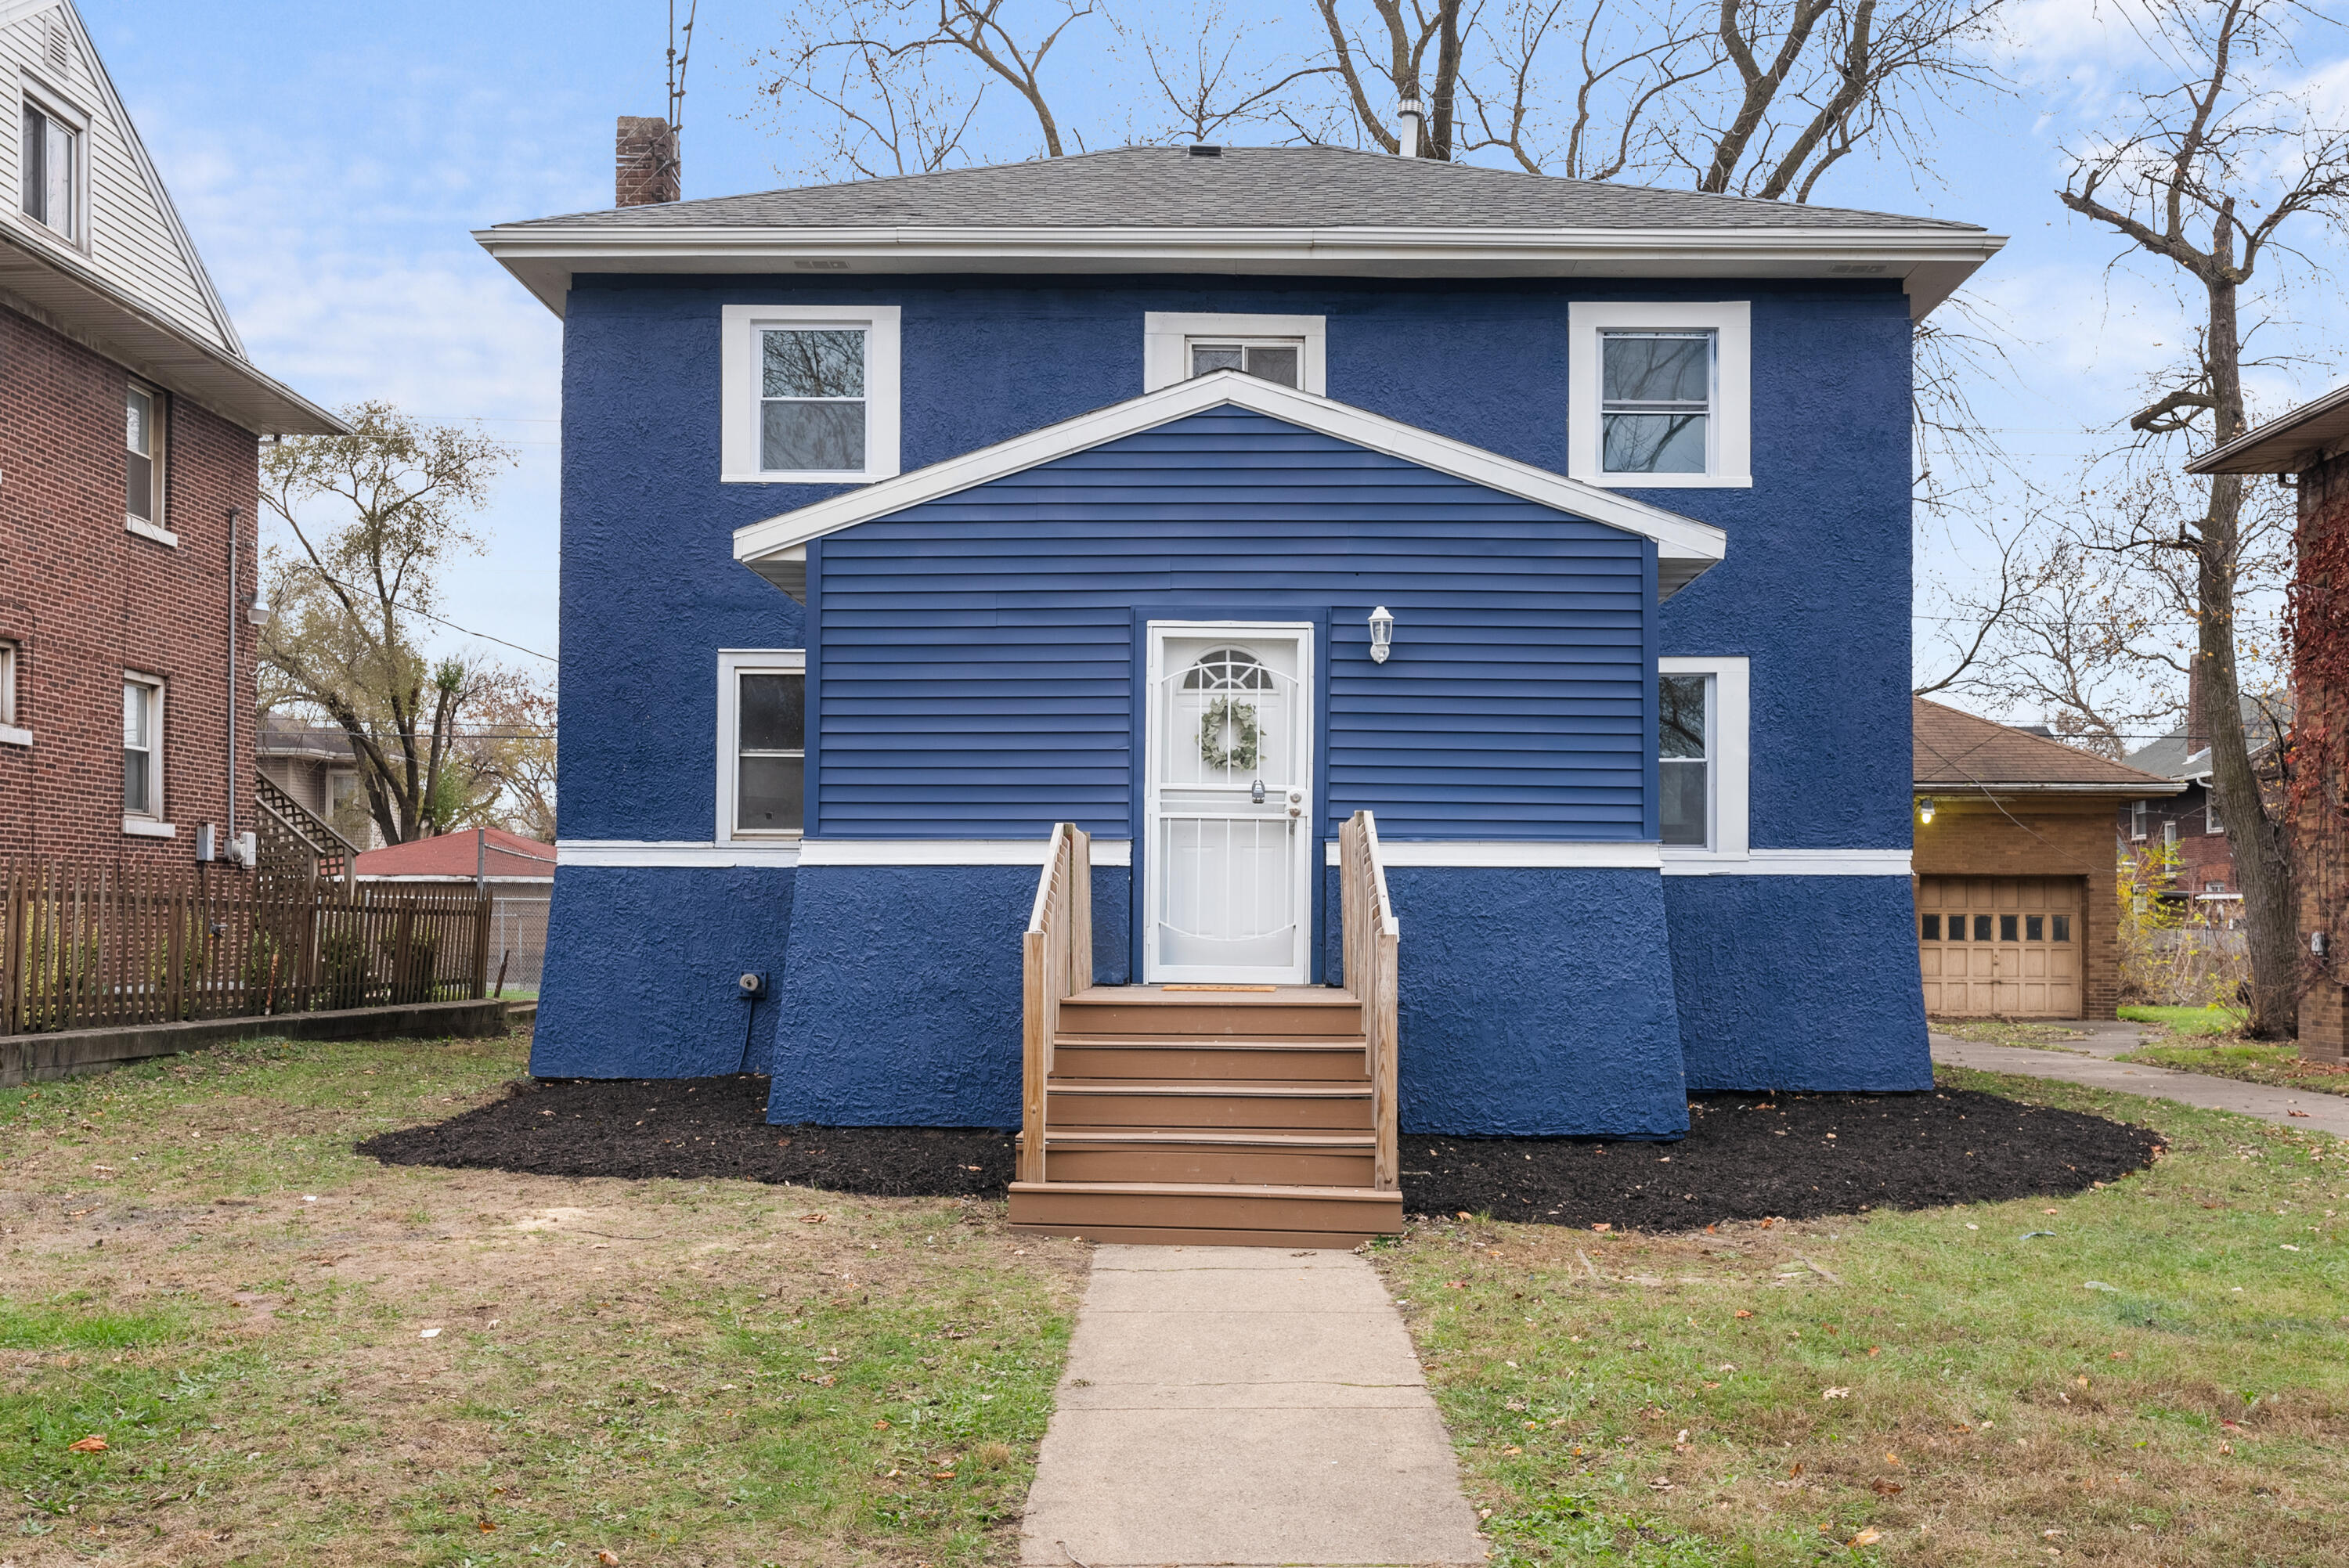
(812, 400)
(1278, 360)
(770, 753)
(142, 467)
(47, 165)
(139, 746)
(1656, 402)
(1684, 765)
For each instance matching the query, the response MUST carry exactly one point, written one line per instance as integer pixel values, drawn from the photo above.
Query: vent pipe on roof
(1413, 119)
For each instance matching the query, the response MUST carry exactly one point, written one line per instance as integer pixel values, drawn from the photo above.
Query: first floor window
(143, 456)
(2169, 835)
(7, 683)
(1685, 759)
(1656, 402)
(46, 158)
(812, 400)
(1279, 359)
(770, 749)
(142, 747)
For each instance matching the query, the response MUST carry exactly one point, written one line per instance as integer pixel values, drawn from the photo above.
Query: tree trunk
(2262, 858)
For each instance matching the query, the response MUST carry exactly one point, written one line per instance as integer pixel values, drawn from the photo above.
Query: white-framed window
(52, 165)
(2137, 821)
(12, 731)
(761, 744)
(146, 423)
(142, 755)
(2210, 823)
(1702, 763)
(809, 393)
(1659, 396)
(1291, 350)
(2169, 833)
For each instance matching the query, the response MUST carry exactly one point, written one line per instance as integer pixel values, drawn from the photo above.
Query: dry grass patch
(2157, 1381)
(294, 1355)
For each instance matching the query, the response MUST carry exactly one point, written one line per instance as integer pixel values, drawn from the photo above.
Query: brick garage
(2021, 849)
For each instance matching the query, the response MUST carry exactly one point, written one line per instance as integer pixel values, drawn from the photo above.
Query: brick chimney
(645, 163)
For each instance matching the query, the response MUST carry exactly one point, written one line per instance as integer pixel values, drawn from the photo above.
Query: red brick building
(130, 429)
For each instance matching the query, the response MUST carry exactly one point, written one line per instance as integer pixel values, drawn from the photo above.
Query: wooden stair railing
(1056, 961)
(1372, 941)
(293, 838)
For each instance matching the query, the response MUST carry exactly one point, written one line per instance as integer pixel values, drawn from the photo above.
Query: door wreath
(1224, 712)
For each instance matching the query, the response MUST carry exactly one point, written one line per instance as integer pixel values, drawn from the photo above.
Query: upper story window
(761, 744)
(1659, 396)
(1291, 350)
(2210, 823)
(1702, 755)
(2136, 819)
(809, 393)
(142, 487)
(49, 159)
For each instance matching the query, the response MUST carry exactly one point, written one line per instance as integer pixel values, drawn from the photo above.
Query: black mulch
(1747, 1156)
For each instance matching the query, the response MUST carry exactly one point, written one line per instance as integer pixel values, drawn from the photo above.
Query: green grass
(706, 1373)
(2212, 1020)
(2160, 1380)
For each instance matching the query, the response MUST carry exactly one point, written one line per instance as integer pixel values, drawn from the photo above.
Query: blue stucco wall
(1798, 981)
(641, 966)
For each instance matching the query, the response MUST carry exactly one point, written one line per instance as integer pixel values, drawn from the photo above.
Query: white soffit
(776, 547)
(1929, 262)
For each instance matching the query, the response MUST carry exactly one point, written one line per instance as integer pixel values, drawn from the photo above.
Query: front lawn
(2212, 1020)
(2209, 1040)
(295, 1356)
(2149, 1372)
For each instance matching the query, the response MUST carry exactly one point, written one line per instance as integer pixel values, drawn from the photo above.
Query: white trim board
(1730, 433)
(1684, 546)
(1729, 743)
(1792, 863)
(681, 852)
(1164, 332)
(950, 852)
(1492, 853)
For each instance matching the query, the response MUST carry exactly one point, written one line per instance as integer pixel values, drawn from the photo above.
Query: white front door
(1227, 813)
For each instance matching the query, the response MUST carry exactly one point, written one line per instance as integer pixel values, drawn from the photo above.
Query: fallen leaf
(1867, 1537)
(608, 1557)
(2295, 1113)
(483, 1525)
(1603, 1227)
(92, 1444)
(880, 1426)
(2046, 1211)
(810, 1219)
(1836, 1394)
(1876, 1350)
(1742, 1313)
(1883, 1488)
(429, 1334)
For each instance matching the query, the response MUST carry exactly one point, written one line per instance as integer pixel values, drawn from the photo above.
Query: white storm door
(1228, 829)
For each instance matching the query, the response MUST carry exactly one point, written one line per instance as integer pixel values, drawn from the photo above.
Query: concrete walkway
(1243, 1406)
(2289, 1107)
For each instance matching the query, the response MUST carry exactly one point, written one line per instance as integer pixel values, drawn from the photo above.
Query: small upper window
(1279, 359)
(1684, 753)
(812, 400)
(2136, 819)
(142, 748)
(49, 159)
(809, 393)
(143, 459)
(2210, 823)
(1656, 402)
(769, 752)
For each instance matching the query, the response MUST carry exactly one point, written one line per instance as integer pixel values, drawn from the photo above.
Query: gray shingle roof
(1242, 188)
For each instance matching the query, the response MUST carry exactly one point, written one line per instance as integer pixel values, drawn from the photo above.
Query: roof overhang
(1930, 260)
(2118, 791)
(60, 293)
(2300, 439)
(776, 548)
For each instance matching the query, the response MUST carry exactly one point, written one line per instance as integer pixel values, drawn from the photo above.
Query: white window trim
(1165, 334)
(37, 93)
(151, 824)
(1728, 718)
(2137, 815)
(737, 366)
(1731, 321)
(734, 664)
(159, 460)
(12, 656)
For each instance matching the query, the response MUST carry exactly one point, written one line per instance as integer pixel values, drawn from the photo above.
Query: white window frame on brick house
(1167, 337)
(12, 661)
(734, 664)
(1729, 463)
(36, 97)
(2210, 823)
(154, 526)
(151, 823)
(2137, 821)
(1728, 706)
(740, 396)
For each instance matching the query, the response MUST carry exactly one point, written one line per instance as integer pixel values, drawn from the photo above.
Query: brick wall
(2037, 838)
(86, 600)
(645, 162)
(2323, 1008)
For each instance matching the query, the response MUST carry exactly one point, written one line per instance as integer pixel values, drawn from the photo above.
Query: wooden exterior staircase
(1234, 1116)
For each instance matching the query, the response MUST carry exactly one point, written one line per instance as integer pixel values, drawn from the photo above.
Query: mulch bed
(1747, 1155)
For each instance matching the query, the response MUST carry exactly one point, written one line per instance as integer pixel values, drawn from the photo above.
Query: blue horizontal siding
(977, 669)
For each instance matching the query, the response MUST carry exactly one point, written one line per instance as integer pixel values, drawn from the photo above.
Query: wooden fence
(84, 947)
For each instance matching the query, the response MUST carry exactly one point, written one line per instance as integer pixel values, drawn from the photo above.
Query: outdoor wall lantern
(1382, 634)
(1925, 810)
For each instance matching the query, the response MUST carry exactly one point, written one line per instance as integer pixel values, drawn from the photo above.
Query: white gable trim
(1684, 546)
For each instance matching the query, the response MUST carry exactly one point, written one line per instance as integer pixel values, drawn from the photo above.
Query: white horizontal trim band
(671, 853)
(1789, 863)
(949, 851)
(1499, 853)
(147, 828)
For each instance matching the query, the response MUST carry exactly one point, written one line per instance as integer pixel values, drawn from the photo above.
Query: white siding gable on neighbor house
(128, 234)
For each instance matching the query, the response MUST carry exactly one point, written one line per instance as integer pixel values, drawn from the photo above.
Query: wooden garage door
(2003, 945)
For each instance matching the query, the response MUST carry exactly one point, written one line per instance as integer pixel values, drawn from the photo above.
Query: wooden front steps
(1231, 1115)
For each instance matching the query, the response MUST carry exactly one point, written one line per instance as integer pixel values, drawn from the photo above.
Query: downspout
(235, 609)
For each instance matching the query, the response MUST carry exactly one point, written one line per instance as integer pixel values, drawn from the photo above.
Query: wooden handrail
(1056, 961)
(1372, 941)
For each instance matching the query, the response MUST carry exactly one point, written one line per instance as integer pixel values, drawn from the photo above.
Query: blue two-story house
(1202, 498)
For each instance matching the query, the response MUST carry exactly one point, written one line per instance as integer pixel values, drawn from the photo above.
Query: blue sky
(330, 160)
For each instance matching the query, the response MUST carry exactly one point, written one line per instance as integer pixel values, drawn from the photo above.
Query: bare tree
(2205, 172)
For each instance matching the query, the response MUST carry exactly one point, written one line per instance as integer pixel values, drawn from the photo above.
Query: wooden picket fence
(87, 947)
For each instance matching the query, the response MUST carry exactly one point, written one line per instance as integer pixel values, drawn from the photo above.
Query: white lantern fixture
(1382, 634)
(1925, 810)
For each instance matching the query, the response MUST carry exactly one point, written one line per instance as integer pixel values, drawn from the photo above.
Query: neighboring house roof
(130, 284)
(1296, 209)
(1956, 751)
(2284, 445)
(493, 851)
(287, 737)
(776, 548)
(2169, 756)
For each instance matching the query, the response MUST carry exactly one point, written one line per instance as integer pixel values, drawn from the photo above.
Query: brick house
(2309, 449)
(2188, 822)
(2014, 868)
(130, 429)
